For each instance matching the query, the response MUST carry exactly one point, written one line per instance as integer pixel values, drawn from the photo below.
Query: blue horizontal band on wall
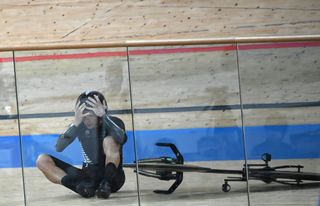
(174, 109)
(196, 144)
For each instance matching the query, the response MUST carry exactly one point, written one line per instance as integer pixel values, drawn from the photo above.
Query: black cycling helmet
(83, 97)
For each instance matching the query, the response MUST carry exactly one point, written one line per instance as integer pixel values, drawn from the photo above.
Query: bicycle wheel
(290, 175)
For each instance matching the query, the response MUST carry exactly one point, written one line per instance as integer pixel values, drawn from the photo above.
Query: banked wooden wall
(42, 22)
(171, 86)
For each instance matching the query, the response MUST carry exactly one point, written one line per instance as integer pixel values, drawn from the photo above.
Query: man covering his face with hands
(101, 138)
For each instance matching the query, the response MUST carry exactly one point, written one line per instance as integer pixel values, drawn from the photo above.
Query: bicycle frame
(168, 168)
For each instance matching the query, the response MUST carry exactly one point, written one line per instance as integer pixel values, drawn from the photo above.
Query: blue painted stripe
(196, 144)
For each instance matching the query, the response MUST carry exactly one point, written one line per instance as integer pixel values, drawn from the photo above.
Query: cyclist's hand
(78, 111)
(97, 106)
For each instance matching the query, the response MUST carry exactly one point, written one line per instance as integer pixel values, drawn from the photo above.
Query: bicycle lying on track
(168, 168)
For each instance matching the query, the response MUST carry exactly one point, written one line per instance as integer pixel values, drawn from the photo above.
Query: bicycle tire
(285, 175)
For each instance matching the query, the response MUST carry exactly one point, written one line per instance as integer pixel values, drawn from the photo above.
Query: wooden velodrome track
(52, 82)
(159, 81)
(35, 22)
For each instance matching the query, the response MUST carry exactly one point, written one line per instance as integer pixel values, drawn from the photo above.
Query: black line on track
(173, 109)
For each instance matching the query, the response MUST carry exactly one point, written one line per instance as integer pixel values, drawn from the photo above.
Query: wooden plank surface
(7, 85)
(58, 83)
(73, 21)
(196, 189)
(165, 81)
(51, 86)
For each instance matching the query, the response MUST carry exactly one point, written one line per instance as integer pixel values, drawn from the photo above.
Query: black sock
(69, 182)
(110, 171)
